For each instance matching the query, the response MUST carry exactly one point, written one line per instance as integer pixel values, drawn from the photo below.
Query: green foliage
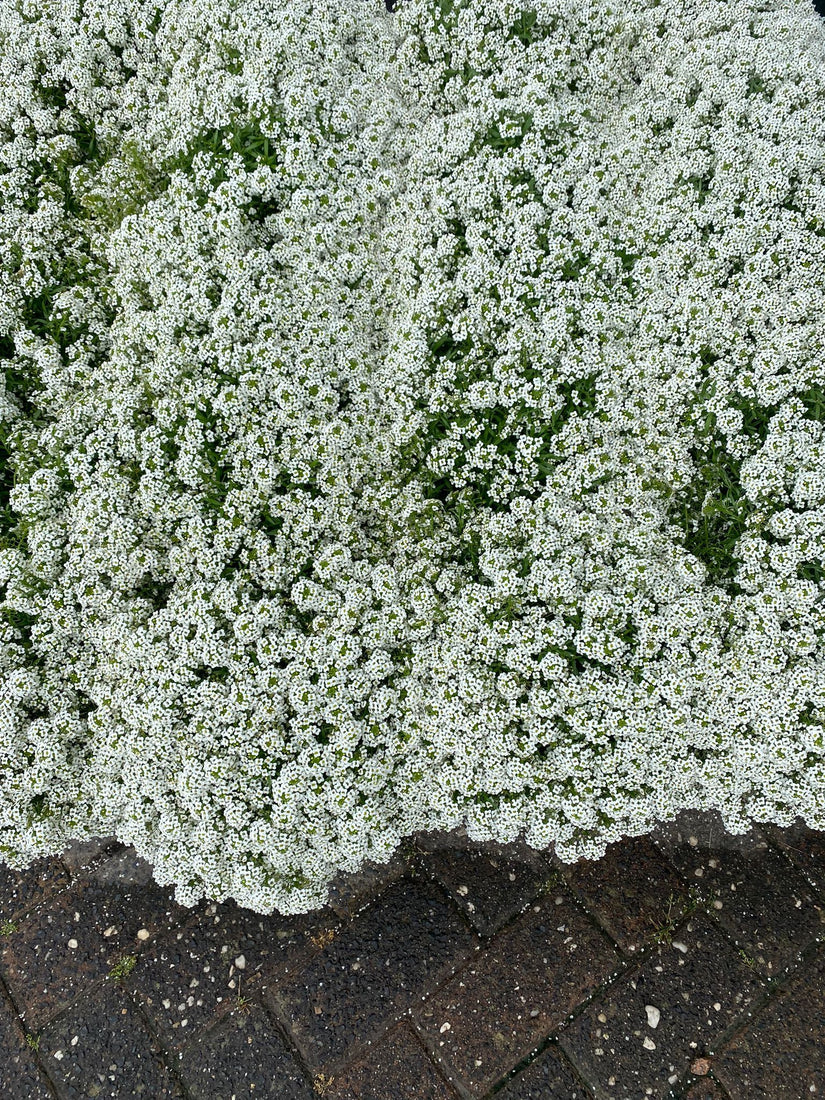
(243, 138)
(525, 28)
(755, 417)
(713, 512)
(814, 401)
(811, 571)
(123, 967)
(38, 809)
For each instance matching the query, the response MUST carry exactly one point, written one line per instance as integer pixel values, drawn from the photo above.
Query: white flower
(412, 443)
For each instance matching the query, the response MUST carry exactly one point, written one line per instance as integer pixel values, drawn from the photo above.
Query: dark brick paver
(548, 1077)
(243, 1056)
(705, 1089)
(456, 971)
(804, 847)
(633, 891)
(792, 1028)
(698, 985)
(21, 890)
(754, 891)
(489, 889)
(534, 967)
(195, 973)
(397, 1066)
(369, 975)
(20, 1078)
(75, 937)
(101, 1048)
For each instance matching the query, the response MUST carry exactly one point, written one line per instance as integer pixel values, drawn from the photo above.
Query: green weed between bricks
(416, 428)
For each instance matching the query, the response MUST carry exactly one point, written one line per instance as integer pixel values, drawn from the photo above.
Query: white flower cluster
(409, 420)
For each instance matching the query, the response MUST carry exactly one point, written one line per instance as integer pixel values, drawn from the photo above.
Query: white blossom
(423, 428)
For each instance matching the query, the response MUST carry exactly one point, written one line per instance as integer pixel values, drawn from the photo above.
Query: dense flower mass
(407, 420)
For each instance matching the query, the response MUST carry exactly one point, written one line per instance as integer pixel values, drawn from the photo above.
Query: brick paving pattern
(685, 965)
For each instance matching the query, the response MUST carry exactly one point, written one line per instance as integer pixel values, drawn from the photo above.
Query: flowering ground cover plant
(408, 420)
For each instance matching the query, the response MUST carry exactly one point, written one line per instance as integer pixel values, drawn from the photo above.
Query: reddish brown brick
(245, 1057)
(633, 891)
(613, 1042)
(73, 938)
(516, 991)
(780, 1053)
(367, 977)
(397, 1066)
(101, 1048)
(754, 892)
(189, 977)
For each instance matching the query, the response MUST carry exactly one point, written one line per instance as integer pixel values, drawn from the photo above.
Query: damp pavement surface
(685, 965)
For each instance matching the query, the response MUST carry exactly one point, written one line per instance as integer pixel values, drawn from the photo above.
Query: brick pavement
(686, 965)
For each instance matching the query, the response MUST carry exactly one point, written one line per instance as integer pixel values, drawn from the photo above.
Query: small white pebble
(602, 1018)
(653, 1015)
(240, 962)
(143, 934)
(692, 841)
(75, 1040)
(58, 1055)
(110, 931)
(463, 891)
(717, 1006)
(699, 872)
(559, 901)
(73, 944)
(512, 877)
(443, 1028)
(648, 1044)
(680, 946)
(717, 904)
